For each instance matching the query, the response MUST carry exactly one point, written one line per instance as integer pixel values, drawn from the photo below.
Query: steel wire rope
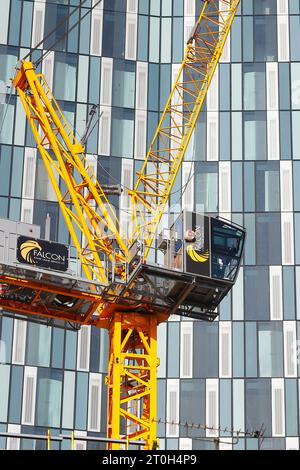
(57, 27)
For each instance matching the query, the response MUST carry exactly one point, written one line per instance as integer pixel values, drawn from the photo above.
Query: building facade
(242, 371)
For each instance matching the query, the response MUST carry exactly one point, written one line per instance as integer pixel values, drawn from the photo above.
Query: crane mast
(95, 229)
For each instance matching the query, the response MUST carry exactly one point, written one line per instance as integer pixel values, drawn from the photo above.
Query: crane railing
(157, 176)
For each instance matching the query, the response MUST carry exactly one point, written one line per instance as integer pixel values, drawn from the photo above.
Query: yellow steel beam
(177, 123)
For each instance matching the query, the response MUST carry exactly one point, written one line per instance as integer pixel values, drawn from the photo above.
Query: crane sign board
(42, 253)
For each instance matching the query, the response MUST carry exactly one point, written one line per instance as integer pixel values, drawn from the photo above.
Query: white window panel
(18, 353)
(238, 297)
(225, 354)
(276, 292)
(27, 211)
(127, 182)
(78, 444)
(189, 23)
(140, 136)
(29, 394)
(224, 187)
(2, 352)
(13, 443)
(48, 67)
(292, 443)
(188, 186)
(185, 444)
(189, 8)
(99, 6)
(226, 443)
(213, 93)
(94, 408)
(92, 164)
(186, 350)
(141, 86)
(106, 81)
(29, 173)
(83, 351)
(225, 57)
(104, 131)
(176, 119)
(290, 349)
(38, 23)
(273, 135)
(96, 32)
(132, 6)
(283, 38)
(4, 390)
(272, 86)
(286, 184)
(131, 36)
(212, 407)
(212, 136)
(287, 235)
(278, 411)
(172, 407)
(226, 51)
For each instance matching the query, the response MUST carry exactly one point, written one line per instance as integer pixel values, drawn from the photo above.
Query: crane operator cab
(192, 268)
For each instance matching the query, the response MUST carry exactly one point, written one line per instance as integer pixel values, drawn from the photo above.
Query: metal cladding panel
(9, 231)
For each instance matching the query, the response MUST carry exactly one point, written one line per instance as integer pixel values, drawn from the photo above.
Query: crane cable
(57, 27)
(51, 47)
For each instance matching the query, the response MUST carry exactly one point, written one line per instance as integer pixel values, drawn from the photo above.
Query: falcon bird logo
(27, 248)
(196, 256)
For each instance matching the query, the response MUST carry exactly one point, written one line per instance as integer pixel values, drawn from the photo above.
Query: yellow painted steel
(88, 214)
(131, 379)
(94, 227)
(157, 176)
(48, 439)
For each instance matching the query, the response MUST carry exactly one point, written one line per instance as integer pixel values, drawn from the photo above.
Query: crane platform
(193, 267)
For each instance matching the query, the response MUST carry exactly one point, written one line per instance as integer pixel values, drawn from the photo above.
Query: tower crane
(120, 288)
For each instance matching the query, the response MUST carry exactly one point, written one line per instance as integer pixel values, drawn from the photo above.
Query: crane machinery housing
(121, 287)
